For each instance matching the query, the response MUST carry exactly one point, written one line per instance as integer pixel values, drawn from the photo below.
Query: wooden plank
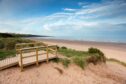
(9, 62)
(37, 57)
(47, 54)
(33, 55)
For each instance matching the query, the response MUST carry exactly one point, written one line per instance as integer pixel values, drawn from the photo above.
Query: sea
(114, 39)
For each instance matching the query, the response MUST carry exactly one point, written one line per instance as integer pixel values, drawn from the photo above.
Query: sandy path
(111, 51)
(48, 74)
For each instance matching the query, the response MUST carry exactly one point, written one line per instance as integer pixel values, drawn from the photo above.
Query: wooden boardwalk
(30, 55)
(9, 62)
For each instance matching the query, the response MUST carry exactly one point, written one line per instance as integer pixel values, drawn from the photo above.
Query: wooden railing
(30, 47)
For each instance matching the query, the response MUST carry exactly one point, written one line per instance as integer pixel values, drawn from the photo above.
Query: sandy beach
(111, 50)
(109, 73)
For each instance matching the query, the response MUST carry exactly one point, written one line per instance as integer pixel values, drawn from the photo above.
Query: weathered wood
(47, 51)
(37, 57)
(33, 55)
(56, 51)
(36, 46)
(21, 60)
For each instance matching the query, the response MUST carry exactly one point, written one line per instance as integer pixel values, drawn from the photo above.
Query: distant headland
(6, 35)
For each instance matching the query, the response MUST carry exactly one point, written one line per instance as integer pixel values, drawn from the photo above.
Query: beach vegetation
(64, 61)
(117, 61)
(7, 46)
(5, 54)
(63, 47)
(83, 58)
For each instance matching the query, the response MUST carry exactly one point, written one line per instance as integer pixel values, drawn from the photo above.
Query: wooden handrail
(36, 49)
(33, 55)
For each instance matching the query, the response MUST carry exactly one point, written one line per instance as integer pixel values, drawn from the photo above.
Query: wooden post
(47, 53)
(37, 57)
(56, 52)
(21, 60)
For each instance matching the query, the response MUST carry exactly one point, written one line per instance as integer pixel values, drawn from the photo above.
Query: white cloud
(71, 20)
(69, 9)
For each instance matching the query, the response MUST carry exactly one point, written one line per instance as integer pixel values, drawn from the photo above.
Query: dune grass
(80, 58)
(7, 46)
(117, 61)
(64, 61)
(7, 53)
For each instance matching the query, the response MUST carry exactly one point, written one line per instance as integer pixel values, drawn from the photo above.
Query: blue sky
(64, 17)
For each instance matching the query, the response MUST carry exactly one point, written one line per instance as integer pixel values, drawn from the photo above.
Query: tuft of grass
(115, 60)
(72, 52)
(80, 62)
(64, 61)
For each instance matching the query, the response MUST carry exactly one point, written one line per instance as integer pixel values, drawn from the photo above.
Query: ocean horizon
(88, 38)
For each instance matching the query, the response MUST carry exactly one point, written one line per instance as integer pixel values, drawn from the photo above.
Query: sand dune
(48, 74)
(52, 73)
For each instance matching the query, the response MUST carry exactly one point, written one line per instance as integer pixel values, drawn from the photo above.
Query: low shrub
(95, 50)
(63, 47)
(98, 54)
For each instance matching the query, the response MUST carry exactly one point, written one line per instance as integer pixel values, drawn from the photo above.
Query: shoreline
(111, 50)
(117, 46)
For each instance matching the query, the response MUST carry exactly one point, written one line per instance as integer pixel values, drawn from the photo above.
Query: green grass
(81, 58)
(7, 46)
(72, 53)
(80, 61)
(64, 61)
(6, 53)
(115, 60)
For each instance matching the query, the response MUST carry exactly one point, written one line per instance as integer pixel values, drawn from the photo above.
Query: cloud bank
(107, 16)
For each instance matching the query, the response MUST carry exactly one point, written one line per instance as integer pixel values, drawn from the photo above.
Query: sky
(64, 17)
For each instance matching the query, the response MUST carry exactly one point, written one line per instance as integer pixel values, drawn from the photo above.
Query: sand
(50, 74)
(111, 50)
